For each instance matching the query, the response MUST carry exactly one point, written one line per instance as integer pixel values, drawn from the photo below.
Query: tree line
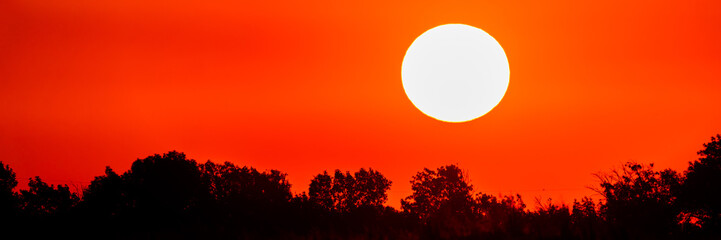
(169, 196)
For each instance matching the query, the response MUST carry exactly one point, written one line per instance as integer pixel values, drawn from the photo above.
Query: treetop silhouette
(344, 192)
(171, 196)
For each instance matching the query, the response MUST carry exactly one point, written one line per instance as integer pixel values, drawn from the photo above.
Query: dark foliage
(43, 200)
(105, 198)
(9, 203)
(700, 194)
(244, 201)
(344, 192)
(442, 200)
(171, 197)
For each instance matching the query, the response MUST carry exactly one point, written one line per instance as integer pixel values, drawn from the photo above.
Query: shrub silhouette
(503, 217)
(551, 221)
(586, 220)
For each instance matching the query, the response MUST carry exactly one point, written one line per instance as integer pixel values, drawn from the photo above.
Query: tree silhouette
(351, 205)
(43, 200)
(639, 202)
(8, 198)
(586, 221)
(320, 191)
(370, 188)
(106, 196)
(161, 193)
(245, 200)
(171, 197)
(700, 193)
(230, 184)
(436, 190)
(345, 192)
(442, 201)
(163, 185)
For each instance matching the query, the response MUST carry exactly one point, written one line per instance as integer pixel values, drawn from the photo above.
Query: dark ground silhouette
(171, 197)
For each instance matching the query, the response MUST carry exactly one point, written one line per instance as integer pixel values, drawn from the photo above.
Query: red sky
(307, 86)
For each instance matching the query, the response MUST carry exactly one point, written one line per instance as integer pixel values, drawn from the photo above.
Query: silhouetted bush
(587, 223)
(503, 217)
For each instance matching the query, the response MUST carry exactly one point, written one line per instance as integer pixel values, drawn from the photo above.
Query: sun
(455, 73)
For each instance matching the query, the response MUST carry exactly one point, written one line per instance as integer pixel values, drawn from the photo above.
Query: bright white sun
(455, 73)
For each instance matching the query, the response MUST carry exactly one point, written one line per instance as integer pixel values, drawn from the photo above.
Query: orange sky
(307, 86)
